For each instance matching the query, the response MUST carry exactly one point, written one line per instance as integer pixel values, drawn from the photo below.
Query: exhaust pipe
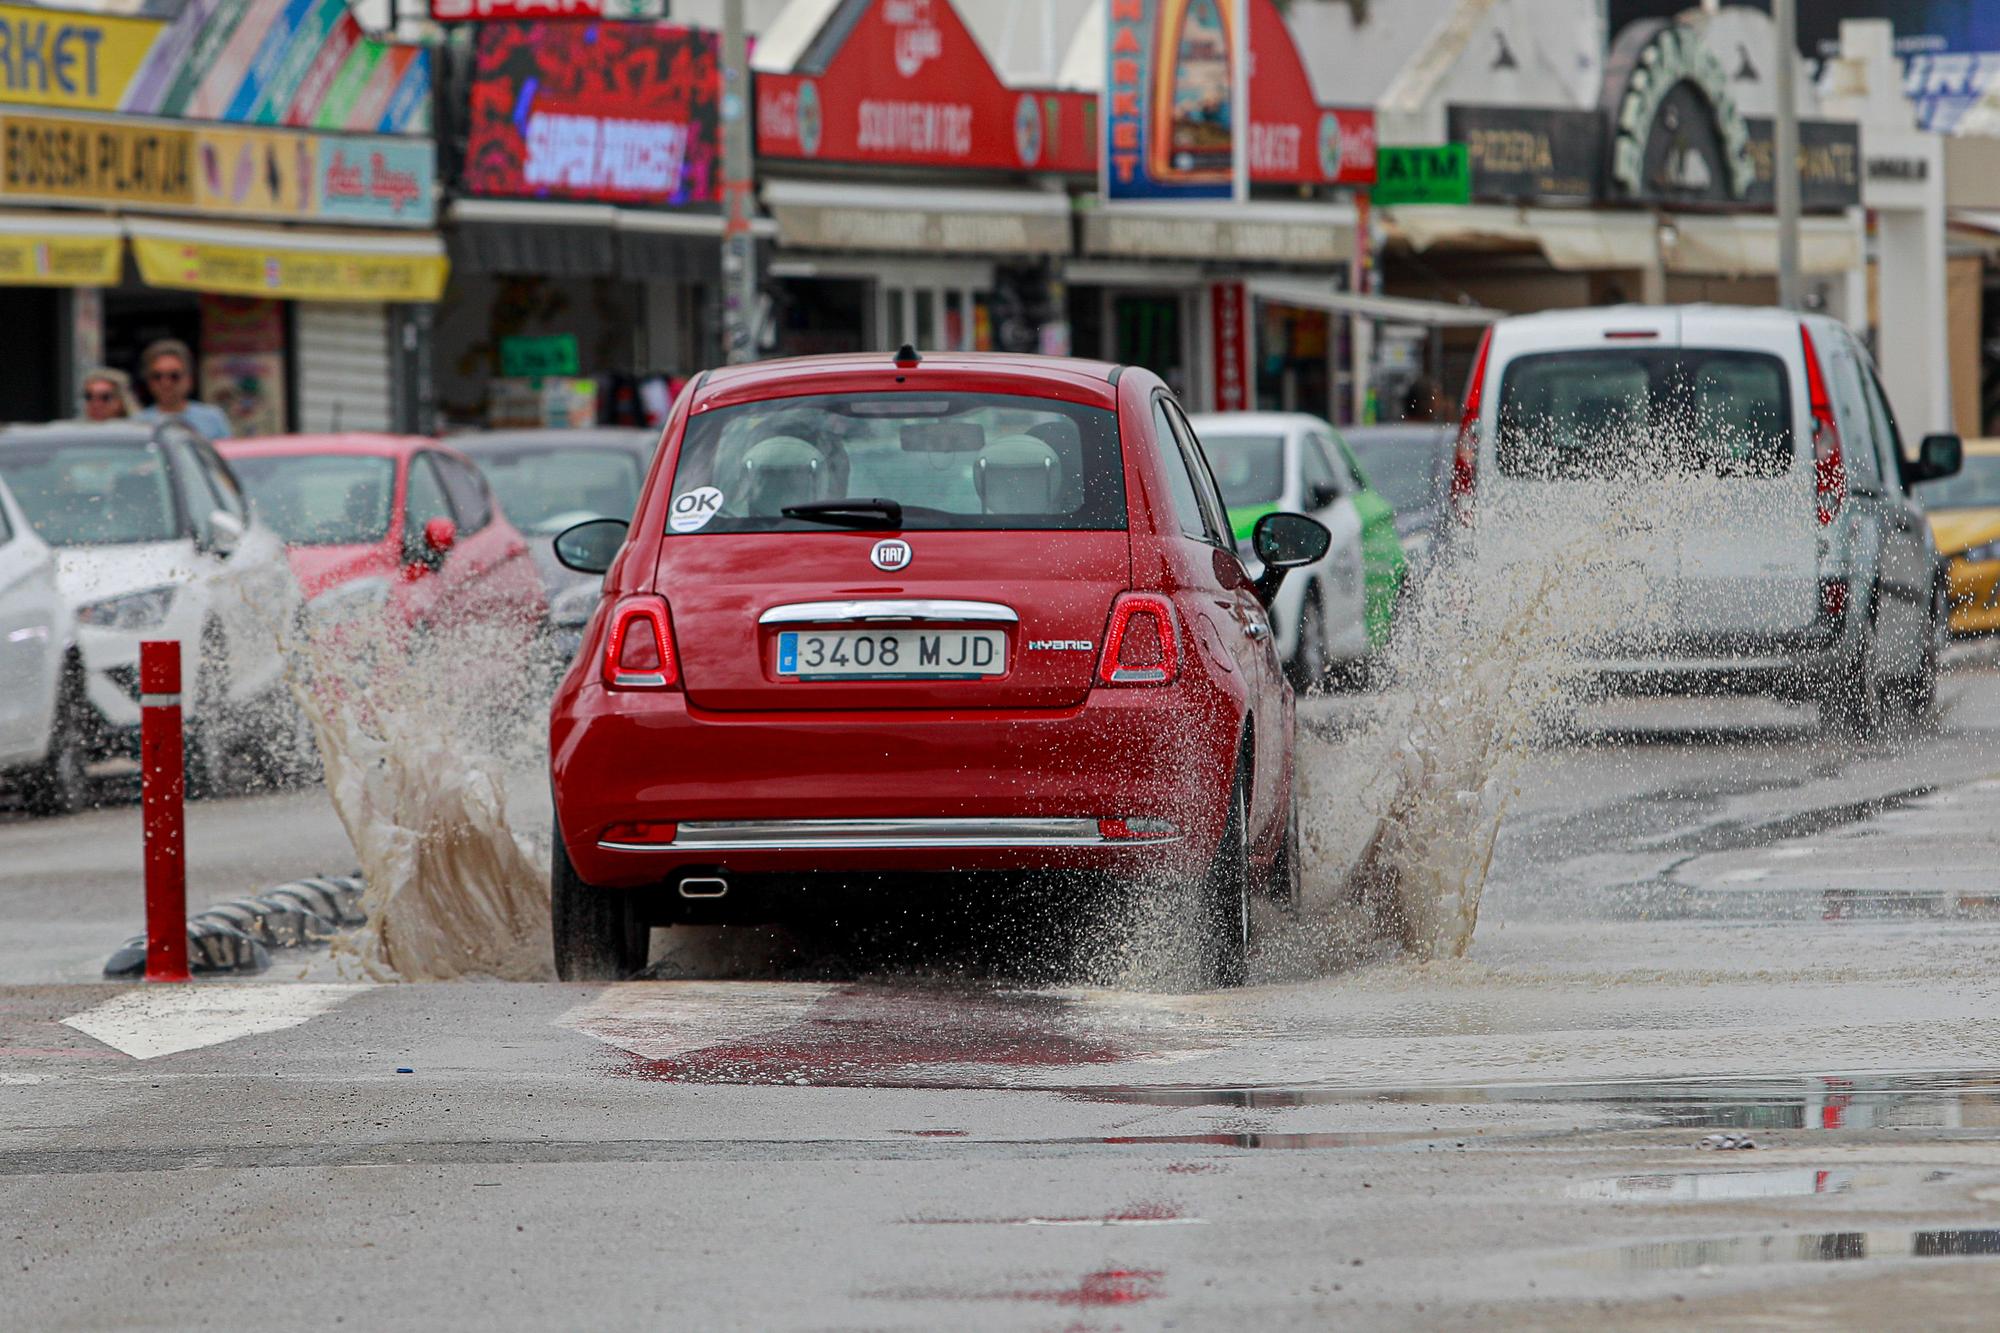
(703, 886)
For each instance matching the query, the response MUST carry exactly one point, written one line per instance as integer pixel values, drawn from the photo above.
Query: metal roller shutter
(341, 351)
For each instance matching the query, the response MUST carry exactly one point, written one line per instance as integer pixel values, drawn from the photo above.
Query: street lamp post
(1785, 150)
(739, 247)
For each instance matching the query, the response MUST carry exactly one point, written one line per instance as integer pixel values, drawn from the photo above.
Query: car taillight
(639, 651)
(1142, 646)
(1829, 468)
(1465, 457)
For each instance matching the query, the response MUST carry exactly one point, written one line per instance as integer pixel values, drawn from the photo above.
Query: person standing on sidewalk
(167, 367)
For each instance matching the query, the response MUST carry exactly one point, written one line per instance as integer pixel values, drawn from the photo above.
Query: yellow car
(1965, 520)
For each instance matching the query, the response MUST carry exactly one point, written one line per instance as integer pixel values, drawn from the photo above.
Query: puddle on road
(1948, 1100)
(1710, 1186)
(1794, 1248)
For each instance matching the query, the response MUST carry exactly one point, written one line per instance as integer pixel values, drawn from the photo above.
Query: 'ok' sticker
(692, 509)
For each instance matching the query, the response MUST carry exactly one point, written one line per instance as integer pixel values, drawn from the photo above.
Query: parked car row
(110, 534)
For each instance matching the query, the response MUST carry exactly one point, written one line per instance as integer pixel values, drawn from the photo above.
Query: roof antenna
(906, 356)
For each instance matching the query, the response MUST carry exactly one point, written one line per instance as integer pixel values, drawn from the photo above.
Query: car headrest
(1018, 474)
(782, 470)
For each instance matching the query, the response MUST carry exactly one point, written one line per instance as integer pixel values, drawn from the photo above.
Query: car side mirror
(424, 553)
(1284, 542)
(590, 547)
(225, 532)
(1322, 493)
(1938, 456)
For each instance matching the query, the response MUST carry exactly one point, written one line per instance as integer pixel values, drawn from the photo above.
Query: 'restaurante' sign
(907, 85)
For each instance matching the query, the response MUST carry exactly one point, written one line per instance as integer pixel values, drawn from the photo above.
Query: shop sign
(1530, 153)
(1829, 164)
(287, 274)
(919, 231)
(467, 11)
(1676, 132)
(52, 57)
(218, 169)
(1228, 312)
(1432, 174)
(1163, 235)
(97, 161)
(1294, 139)
(538, 355)
(387, 181)
(621, 113)
(1174, 104)
(55, 260)
(909, 85)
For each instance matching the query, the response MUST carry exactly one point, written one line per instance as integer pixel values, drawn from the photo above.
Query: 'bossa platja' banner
(1174, 104)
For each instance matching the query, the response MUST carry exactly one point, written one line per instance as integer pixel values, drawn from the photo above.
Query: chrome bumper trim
(920, 608)
(757, 835)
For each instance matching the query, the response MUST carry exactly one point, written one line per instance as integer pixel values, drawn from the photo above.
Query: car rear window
(952, 461)
(322, 499)
(1636, 412)
(1250, 469)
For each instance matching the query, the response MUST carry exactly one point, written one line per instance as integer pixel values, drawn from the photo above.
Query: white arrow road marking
(658, 1020)
(159, 1020)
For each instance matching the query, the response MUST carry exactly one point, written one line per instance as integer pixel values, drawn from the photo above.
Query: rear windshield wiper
(849, 513)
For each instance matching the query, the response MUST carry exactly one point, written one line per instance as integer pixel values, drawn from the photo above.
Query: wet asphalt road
(1702, 920)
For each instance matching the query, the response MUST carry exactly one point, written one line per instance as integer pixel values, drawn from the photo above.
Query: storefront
(294, 262)
(1226, 299)
(585, 234)
(916, 196)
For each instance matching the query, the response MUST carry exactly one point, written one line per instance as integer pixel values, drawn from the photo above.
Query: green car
(1334, 616)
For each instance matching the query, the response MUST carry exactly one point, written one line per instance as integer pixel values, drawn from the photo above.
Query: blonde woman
(107, 395)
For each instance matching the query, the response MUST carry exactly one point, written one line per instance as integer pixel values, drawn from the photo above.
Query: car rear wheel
(58, 784)
(1226, 897)
(1920, 691)
(1851, 707)
(599, 936)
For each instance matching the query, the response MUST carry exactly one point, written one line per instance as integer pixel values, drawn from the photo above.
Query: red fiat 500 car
(879, 620)
(391, 525)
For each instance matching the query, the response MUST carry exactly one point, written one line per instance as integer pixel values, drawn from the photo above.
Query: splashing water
(417, 753)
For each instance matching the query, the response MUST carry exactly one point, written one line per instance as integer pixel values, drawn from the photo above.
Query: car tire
(1310, 667)
(1283, 884)
(1851, 707)
(1920, 693)
(58, 784)
(599, 934)
(1225, 915)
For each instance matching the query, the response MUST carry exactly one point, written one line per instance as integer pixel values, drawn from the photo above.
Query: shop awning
(823, 215)
(586, 240)
(1570, 238)
(1254, 232)
(1309, 295)
(296, 265)
(1740, 244)
(60, 250)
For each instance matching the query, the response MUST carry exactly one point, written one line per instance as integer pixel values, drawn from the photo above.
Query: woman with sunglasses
(107, 395)
(167, 367)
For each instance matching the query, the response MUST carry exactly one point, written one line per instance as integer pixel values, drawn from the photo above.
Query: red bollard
(163, 786)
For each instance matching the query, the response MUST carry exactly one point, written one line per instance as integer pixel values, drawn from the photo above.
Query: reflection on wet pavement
(1708, 1186)
(1791, 1248)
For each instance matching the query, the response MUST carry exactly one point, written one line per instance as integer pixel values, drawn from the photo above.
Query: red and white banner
(1294, 139)
(1229, 316)
(910, 86)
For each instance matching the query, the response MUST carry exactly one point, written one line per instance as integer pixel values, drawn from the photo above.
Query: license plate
(892, 654)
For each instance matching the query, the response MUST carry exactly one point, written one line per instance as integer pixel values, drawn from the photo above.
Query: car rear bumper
(888, 792)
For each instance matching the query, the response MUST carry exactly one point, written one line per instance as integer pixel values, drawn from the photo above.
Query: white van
(1737, 475)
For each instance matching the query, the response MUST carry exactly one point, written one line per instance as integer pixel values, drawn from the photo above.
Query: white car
(1333, 616)
(153, 540)
(1731, 481)
(41, 676)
